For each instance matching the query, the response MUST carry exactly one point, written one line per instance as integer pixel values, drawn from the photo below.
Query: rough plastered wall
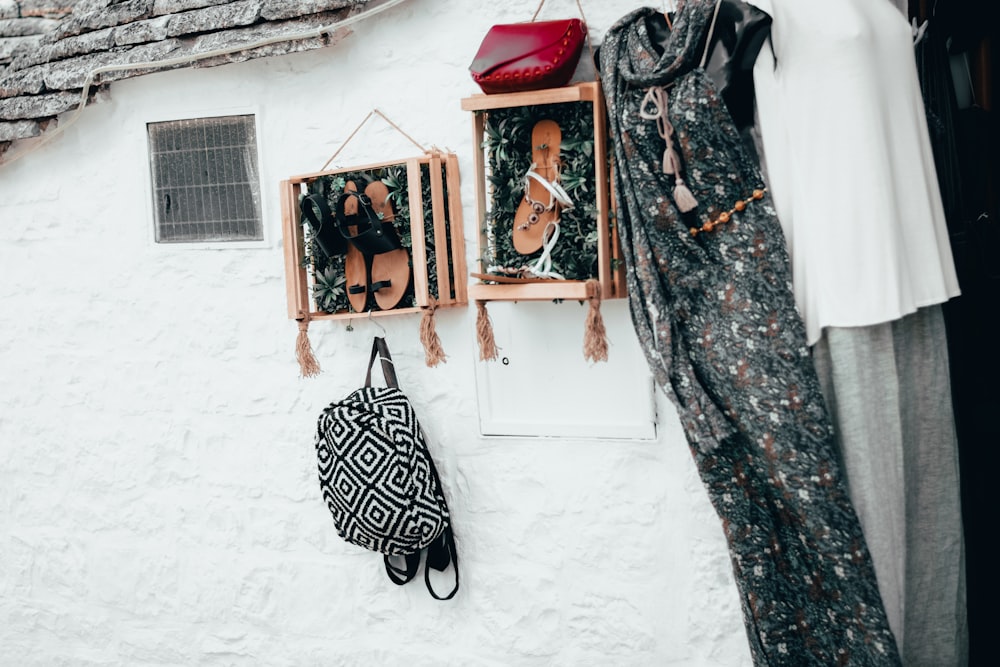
(158, 493)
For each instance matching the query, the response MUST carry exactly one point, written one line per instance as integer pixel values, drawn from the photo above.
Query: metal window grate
(205, 184)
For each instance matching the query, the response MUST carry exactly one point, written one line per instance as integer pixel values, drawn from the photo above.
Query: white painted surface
(158, 493)
(541, 385)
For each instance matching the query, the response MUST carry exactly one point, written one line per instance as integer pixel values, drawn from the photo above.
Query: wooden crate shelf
(447, 249)
(609, 268)
(569, 290)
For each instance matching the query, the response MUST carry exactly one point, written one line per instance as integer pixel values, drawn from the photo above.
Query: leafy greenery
(329, 288)
(396, 180)
(507, 143)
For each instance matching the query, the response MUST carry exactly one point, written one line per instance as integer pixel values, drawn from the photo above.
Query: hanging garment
(937, 88)
(850, 164)
(711, 301)
(870, 264)
(739, 32)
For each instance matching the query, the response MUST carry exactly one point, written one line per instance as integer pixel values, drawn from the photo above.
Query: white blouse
(849, 162)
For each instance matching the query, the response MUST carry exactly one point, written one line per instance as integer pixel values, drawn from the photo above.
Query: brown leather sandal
(390, 271)
(385, 282)
(355, 266)
(543, 196)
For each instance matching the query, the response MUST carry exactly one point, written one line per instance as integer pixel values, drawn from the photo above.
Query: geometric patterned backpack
(379, 481)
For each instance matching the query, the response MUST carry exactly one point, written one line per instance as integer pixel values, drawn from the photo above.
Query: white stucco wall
(158, 493)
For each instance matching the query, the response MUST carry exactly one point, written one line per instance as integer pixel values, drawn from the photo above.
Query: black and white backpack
(379, 481)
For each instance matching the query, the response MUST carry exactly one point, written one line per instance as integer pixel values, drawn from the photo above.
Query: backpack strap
(401, 576)
(381, 349)
(440, 553)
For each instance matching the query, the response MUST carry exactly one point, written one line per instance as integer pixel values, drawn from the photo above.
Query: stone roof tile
(273, 10)
(262, 32)
(27, 81)
(9, 9)
(139, 32)
(211, 19)
(44, 8)
(161, 7)
(71, 74)
(109, 17)
(13, 47)
(28, 54)
(21, 27)
(88, 42)
(22, 129)
(38, 106)
(45, 63)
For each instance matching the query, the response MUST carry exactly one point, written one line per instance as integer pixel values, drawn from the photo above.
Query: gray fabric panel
(888, 389)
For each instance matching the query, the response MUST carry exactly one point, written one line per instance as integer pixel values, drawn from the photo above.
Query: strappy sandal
(355, 264)
(543, 196)
(538, 272)
(390, 271)
(317, 213)
(371, 238)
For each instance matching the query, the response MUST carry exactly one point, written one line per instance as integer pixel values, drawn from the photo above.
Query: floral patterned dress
(712, 304)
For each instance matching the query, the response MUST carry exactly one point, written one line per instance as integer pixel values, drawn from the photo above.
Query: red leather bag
(516, 57)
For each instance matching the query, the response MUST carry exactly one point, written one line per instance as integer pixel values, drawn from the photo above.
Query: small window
(205, 186)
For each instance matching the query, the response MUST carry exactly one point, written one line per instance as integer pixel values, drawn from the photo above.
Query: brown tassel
(684, 198)
(668, 161)
(433, 352)
(484, 332)
(595, 336)
(303, 350)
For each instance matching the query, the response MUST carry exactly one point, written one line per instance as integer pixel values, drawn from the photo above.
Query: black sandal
(356, 269)
(390, 271)
(373, 237)
(317, 212)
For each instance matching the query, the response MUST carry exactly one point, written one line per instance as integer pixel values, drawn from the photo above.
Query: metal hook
(375, 322)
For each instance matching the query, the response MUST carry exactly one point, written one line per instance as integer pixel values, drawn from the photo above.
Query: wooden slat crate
(609, 272)
(447, 249)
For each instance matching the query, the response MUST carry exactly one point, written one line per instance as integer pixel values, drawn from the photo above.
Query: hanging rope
(303, 349)
(484, 333)
(433, 352)
(595, 336)
(371, 113)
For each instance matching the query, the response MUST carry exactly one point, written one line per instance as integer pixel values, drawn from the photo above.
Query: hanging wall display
(409, 198)
(542, 194)
(375, 240)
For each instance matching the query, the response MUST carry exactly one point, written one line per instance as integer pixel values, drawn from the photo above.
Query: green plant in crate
(507, 144)
(329, 288)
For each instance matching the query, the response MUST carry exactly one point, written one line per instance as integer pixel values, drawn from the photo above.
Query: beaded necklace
(726, 216)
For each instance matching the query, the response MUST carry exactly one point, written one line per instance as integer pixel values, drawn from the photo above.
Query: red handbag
(528, 56)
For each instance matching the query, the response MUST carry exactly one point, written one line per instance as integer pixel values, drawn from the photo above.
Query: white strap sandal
(557, 195)
(540, 270)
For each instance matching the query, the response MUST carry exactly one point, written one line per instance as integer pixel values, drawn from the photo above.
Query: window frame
(267, 233)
